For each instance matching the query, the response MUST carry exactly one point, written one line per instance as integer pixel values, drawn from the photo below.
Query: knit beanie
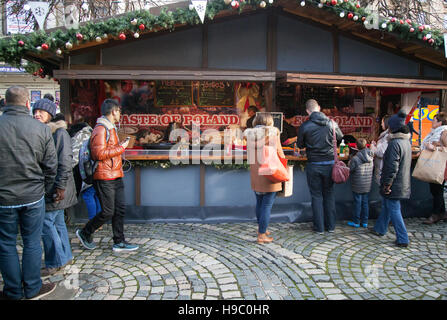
(397, 121)
(46, 105)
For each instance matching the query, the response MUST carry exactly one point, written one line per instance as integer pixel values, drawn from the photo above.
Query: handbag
(273, 167)
(340, 171)
(287, 186)
(431, 166)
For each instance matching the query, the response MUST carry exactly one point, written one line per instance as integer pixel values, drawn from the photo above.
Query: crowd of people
(387, 163)
(39, 170)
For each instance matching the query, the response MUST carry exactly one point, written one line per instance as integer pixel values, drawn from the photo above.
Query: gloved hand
(58, 195)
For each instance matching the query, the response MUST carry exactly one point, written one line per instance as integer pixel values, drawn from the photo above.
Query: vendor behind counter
(289, 133)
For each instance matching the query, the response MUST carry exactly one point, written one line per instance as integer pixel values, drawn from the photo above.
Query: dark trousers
(321, 187)
(437, 191)
(111, 198)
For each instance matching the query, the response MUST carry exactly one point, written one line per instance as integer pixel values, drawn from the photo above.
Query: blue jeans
(92, 202)
(55, 240)
(26, 280)
(264, 204)
(361, 208)
(321, 187)
(391, 211)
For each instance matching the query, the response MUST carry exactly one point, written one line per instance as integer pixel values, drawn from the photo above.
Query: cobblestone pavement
(223, 261)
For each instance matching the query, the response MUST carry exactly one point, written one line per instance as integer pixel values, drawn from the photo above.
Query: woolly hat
(397, 121)
(46, 105)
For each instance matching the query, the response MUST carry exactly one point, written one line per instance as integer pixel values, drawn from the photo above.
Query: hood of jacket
(365, 156)
(106, 123)
(399, 135)
(75, 128)
(57, 125)
(319, 118)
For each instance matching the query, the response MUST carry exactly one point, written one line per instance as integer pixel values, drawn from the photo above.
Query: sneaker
(352, 224)
(124, 246)
(331, 231)
(87, 244)
(46, 289)
(401, 245)
(48, 272)
(364, 225)
(374, 232)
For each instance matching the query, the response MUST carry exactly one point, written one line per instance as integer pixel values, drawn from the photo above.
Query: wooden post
(137, 186)
(202, 185)
(336, 48)
(205, 46)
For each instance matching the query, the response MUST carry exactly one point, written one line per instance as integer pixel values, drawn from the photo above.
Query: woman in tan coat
(263, 133)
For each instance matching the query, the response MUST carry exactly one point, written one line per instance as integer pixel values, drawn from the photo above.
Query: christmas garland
(166, 164)
(132, 24)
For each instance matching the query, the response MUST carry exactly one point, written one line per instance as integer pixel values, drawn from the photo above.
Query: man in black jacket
(395, 180)
(28, 167)
(316, 135)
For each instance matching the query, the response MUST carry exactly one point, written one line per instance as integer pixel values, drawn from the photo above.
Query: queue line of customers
(387, 162)
(36, 170)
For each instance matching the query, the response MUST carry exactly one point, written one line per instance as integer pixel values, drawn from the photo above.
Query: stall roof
(400, 40)
(361, 80)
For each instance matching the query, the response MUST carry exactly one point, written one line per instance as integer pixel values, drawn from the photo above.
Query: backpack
(87, 165)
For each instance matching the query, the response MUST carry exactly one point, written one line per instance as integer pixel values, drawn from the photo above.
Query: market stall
(273, 57)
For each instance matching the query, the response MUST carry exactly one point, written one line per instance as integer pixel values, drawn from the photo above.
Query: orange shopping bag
(273, 166)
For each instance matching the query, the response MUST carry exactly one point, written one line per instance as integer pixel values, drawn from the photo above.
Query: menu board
(215, 93)
(173, 93)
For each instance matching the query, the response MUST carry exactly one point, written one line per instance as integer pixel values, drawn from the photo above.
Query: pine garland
(14, 48)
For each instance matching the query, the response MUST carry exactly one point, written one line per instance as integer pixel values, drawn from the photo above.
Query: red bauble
(122, 36)
(21, 43)
(401, 21)
(44, 46)
(350, 15)
(421, 28)
(411, 29)
(424, 38)
(363, 18)
(408, 21)
(334, 2)
(393, 20)
(79, 36)
(357, 5)
(235, 4)
(142, 27)
(42, 76)
(431, 41)
(40, 70)
(35, 73)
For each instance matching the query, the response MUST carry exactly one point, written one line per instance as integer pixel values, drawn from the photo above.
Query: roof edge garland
(60, 41)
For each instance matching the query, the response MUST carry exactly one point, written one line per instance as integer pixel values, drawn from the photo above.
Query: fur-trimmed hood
(57, 125)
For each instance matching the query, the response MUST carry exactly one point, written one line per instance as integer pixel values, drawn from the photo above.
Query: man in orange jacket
(108, 179)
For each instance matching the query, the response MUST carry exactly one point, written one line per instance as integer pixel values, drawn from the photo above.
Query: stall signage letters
(342, 121)
(186, 119)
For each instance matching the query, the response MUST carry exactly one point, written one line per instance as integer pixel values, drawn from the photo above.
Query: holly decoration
(12, 48)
